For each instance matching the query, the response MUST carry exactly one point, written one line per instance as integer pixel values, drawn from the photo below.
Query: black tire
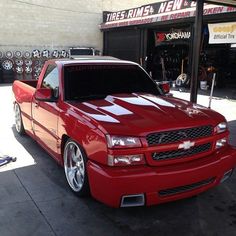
(18, 120)
(75, 161)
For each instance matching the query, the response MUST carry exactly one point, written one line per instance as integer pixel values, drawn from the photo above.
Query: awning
(159, 12)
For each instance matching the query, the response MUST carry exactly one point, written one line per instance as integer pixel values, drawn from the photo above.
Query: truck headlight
(221, 143)
(221, 127)
(114, 141)
(126, 160)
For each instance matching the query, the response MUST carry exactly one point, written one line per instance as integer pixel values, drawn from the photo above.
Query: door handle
(36, 104)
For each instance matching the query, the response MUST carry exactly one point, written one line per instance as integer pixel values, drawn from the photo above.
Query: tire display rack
(24, 65)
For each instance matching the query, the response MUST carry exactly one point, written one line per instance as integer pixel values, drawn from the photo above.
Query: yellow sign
(222, 33)
(225, 29)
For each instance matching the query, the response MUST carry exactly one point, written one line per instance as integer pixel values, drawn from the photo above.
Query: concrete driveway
(35, 198)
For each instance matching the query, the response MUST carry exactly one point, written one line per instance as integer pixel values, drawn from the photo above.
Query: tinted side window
(51, 80)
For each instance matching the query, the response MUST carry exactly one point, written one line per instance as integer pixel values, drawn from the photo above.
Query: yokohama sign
(172, 35)
(161, 37)
(161, 11)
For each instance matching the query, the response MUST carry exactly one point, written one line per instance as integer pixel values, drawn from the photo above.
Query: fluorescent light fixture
(233, 45)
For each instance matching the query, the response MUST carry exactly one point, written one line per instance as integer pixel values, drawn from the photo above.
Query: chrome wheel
(18, 120)
(74, 166)
(181, 79)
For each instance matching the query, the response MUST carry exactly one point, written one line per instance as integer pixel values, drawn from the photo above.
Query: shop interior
(169, 61)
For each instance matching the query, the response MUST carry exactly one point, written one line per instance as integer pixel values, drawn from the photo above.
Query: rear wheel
(75, 168)
(18, 120)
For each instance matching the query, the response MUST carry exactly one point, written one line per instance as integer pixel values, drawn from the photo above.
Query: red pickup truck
(118, 136)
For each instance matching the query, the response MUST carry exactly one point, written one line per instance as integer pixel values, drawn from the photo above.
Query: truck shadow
(5, 84)
(43, 160)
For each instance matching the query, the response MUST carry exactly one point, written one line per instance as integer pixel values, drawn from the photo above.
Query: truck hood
(139, 114)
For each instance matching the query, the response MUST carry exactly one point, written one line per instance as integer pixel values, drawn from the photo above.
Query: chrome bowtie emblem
(186, 145)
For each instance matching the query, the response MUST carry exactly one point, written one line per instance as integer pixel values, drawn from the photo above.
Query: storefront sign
(175, 34)
(148, 10)
(222, 33)
(156, 12)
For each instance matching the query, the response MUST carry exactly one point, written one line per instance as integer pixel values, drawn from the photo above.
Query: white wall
(112, 5)
(55, 24)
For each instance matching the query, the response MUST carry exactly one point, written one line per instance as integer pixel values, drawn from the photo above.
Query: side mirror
(43, 94)
(164, 86)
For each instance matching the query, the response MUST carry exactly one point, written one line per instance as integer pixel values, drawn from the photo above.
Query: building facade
(35, 30)
(159, 36)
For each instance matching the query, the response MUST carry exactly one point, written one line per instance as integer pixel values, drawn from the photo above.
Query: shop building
(159, 36)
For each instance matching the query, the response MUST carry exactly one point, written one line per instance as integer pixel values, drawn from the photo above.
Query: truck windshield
(97, 81)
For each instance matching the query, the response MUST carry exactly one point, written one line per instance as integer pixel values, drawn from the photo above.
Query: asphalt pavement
(35, 198)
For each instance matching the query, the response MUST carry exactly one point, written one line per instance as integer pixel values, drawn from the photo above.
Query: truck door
(45, 114)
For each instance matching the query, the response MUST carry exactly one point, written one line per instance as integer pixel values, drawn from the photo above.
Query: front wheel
(18, 120)
(75, 168)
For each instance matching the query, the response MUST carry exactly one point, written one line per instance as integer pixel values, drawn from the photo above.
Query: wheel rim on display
(27, 55)
(19, 70)
(74, 166)
(1, 54)
(37, 69)
(18, 54)
(7, 64)
(36, 76)
(55, 54)
(36, 53)
(181, 79)
(45, 53)
(36, 63)
(64, 54)
(28, 69)
(19, 62)
(28, 62)
(9, 54)
(18, 121)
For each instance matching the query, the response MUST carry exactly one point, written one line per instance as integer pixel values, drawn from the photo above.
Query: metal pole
(196, 50)
(212, 89)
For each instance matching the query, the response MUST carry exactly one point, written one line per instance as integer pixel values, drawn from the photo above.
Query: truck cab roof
(91, 59)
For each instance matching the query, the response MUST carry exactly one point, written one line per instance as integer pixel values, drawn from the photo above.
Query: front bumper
(159, 184)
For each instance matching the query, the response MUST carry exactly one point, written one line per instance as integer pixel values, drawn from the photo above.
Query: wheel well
(63, 142)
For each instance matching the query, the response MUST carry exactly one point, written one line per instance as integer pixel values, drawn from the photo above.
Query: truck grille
(185, 188)
(157, 156)
(179, 135)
